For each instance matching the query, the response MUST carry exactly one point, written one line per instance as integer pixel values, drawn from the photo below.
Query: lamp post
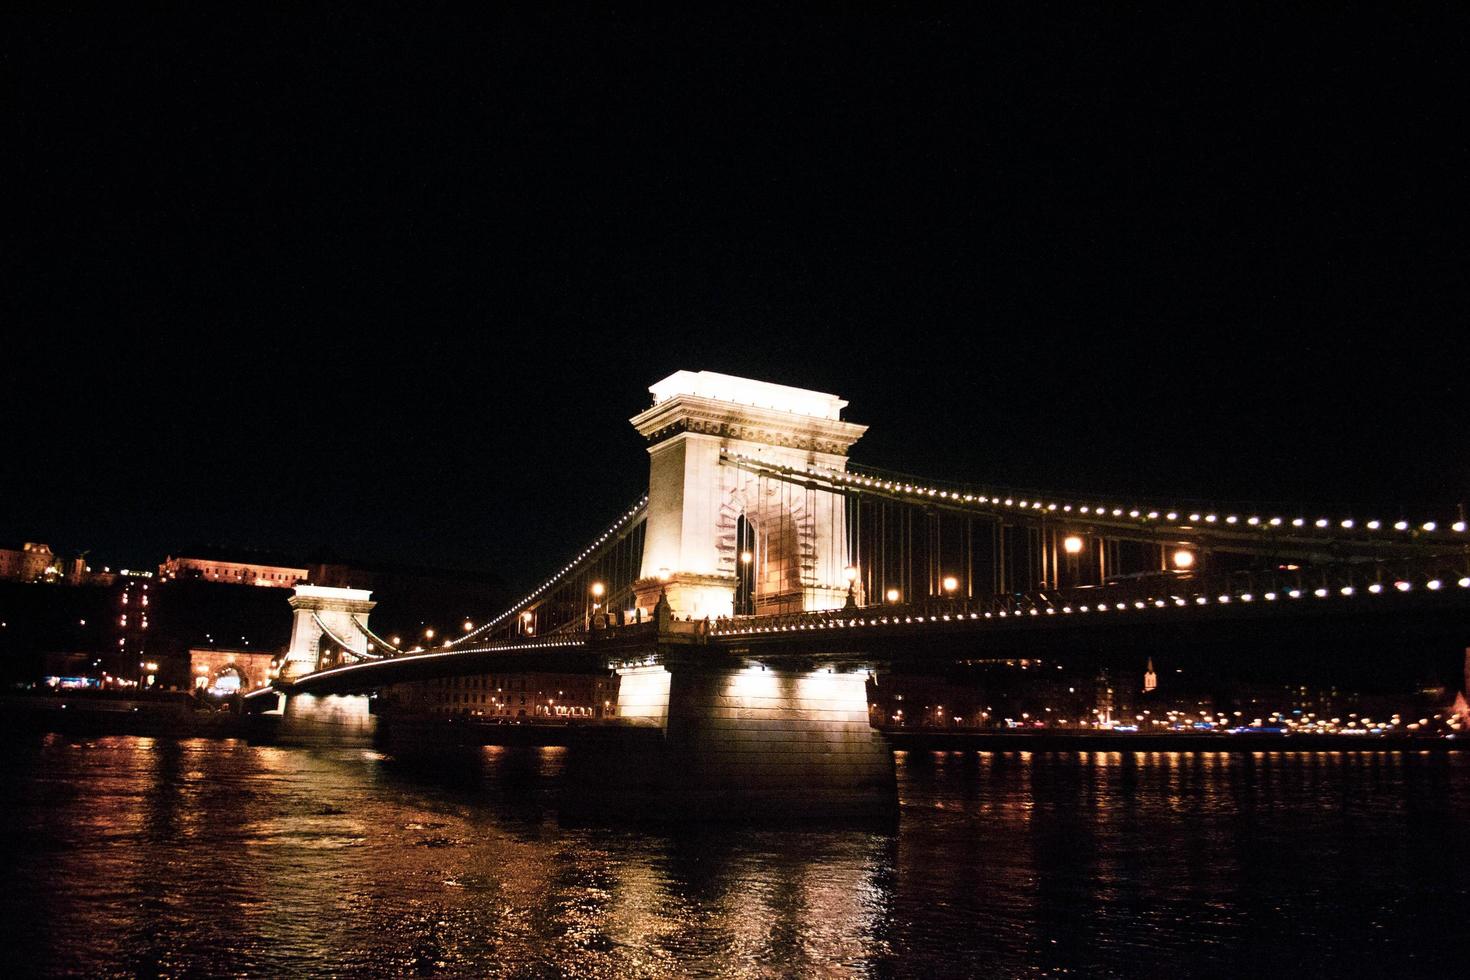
(745, 585)
(597, 591)
(851, 574)
(1072, 545)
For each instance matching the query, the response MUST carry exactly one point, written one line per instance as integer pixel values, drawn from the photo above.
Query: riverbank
(922, 741)
(181, 716)
(111, 713)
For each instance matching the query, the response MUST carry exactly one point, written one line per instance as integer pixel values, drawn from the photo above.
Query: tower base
(741, 743)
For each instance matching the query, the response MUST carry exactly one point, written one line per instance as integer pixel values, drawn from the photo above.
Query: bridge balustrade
(1361, 581)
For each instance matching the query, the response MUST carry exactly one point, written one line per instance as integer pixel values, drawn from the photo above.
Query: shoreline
(1166, 742)
(179, 718)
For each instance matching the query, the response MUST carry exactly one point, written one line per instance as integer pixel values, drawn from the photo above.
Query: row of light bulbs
(539, 644)
(1099, 510)
(828, 622)
(561, 573)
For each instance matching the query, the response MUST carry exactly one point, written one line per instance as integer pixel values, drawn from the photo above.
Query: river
(136, 856)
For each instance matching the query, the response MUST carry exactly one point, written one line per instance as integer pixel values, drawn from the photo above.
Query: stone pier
(746, 740)
(326, 720)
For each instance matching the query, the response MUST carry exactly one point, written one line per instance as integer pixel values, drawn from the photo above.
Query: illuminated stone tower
(315, 606)
(696, 499)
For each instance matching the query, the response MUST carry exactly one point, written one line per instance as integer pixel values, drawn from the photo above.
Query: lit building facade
(31, 562)
(519, 697)
(231, 572)
(134, 607)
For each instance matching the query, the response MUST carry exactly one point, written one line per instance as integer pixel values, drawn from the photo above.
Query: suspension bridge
(746, 598)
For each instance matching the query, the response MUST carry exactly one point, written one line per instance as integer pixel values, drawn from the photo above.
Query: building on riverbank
(516, 697)
(209, 564)
(29, 563)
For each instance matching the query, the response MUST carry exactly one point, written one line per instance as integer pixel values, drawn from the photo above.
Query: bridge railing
(1164, 591)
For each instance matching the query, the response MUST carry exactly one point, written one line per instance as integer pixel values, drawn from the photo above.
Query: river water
(136, 856)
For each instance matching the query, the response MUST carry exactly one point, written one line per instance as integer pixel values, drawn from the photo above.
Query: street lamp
(950, 583)
(745, 585)
(892, 595)
(1072, 545)
(597, 591)
(851, 574)
(1183, 559)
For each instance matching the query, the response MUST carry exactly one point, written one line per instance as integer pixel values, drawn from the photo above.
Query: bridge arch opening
(747, 561)
(227, 682)
(783, 568)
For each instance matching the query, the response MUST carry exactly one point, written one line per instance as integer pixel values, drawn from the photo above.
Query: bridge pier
(326, 720)
(748, 740)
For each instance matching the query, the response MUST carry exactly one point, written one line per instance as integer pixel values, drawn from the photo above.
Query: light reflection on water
(153, 856)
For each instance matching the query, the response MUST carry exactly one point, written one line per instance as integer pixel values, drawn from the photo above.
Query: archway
(745, 567)
(227, 682)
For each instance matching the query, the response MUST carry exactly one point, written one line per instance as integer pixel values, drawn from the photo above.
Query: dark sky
(391, 285)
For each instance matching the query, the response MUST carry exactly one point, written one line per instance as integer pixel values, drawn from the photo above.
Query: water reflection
(140, 856)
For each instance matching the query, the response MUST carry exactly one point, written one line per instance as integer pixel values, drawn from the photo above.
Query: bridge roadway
(563, 654)
(944, 633)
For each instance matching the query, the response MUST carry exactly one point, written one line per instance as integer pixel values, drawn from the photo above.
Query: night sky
(391, 286)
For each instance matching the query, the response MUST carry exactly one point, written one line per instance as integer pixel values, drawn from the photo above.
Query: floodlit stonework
(318, 609)
(696, 497)
(326, 720)
(224, 670)
(737, 738)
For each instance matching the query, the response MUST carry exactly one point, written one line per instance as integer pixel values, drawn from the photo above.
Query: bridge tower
(318, 609)
(697, 498)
